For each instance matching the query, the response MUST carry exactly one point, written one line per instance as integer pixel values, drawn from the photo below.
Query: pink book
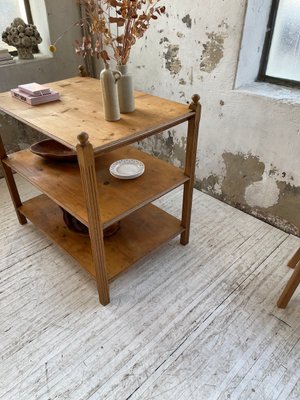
(34, 89)
(34, 100)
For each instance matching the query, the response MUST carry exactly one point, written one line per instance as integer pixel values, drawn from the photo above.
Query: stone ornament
(23, 37)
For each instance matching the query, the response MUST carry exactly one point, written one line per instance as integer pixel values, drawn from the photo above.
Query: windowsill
(275, 92)
(17, 61)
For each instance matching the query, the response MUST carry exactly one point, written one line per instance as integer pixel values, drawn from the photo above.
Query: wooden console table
(87, 190)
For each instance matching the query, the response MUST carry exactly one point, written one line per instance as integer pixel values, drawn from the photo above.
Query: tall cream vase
(125, 90)
(109, 79)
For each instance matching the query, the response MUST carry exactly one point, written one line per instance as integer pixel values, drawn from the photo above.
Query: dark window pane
(284, 56)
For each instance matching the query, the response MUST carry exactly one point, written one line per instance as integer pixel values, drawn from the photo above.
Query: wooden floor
(187, 323)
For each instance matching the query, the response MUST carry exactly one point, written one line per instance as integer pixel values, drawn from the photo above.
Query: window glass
(284, 56)
(10, 9)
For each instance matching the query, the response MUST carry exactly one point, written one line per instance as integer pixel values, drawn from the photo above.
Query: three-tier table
(86, 190)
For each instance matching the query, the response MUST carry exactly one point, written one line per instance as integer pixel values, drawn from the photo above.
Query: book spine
(21, 97)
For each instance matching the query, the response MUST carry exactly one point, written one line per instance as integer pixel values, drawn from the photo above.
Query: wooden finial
(195, 101)
(82, 71)
(83, 138)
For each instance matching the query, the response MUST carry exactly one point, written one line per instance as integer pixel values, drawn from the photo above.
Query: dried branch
(116, 24)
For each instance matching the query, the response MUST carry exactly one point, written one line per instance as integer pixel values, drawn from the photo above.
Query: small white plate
(127, 169)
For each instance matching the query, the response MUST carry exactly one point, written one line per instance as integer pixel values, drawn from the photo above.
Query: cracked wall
(173, 63)
(166, 146)
(248, 185)
(213, 51)
(248, 145)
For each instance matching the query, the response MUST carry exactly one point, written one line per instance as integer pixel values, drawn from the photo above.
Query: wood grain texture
(189, 322)
(290, 287)
(76, 189)
(294, 259)
(189, 170)
(117, 198)
(80, 109)
(139, 234)
(86, 161)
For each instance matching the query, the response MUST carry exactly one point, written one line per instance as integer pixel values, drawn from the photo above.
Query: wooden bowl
(76, 226)
(53, 150)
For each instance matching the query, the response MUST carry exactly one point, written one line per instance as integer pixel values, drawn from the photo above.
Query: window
(281, 55)
(10, 9)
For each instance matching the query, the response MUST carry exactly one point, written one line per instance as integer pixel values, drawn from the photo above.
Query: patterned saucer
(127, 169)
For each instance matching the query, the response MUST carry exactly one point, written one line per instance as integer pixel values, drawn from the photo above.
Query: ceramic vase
(109, 79)
(125, 90)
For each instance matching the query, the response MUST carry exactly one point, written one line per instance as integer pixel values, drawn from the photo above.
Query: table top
(80, 109)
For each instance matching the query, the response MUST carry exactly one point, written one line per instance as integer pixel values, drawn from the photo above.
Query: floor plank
(191, 322)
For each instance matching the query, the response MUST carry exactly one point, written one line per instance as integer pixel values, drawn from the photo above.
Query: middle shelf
(118, 198)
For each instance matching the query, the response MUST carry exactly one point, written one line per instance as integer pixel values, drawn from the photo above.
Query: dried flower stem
(128, 18)
(131, 20)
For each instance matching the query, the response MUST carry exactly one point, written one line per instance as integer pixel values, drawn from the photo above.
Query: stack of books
(34, 93)
(6, 57)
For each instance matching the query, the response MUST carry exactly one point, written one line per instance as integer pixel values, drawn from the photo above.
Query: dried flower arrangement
(114, 24)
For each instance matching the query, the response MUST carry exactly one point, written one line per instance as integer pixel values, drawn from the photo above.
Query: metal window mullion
(30, 20)
(28, 11)
(262, 76)
(268, 40)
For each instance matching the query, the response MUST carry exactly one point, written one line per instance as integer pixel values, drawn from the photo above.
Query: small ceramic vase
(125, 90)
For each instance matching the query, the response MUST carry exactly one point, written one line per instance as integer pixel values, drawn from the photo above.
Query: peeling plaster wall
(248, 154)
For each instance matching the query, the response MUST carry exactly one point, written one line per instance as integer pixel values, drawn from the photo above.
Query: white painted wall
(249, 122)
(258, 120)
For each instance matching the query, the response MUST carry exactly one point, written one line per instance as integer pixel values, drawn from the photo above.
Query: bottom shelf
(139, 233)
